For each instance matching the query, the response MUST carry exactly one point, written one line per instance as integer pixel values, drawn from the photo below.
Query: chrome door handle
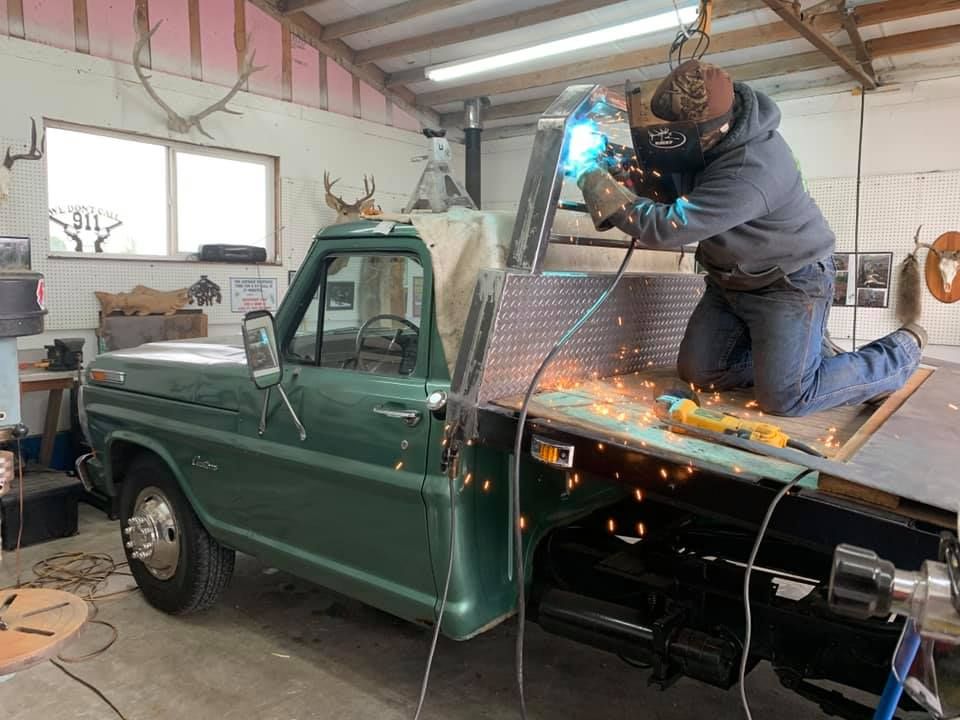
(410, 417)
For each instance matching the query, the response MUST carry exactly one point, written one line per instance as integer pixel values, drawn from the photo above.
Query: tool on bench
(683, 412)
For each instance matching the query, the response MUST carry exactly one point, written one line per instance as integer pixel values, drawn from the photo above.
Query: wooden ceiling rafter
(310, 31)
(788, 12)
(740, 39)
(757, 70)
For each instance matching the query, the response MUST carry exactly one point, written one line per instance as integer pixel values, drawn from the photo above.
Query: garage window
(116, 195)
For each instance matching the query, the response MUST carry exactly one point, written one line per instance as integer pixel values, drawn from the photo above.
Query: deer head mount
(35, 153)
(347, 212)
(946, 250)
(175, 121)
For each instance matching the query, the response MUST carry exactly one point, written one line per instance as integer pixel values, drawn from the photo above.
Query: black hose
(517, 450)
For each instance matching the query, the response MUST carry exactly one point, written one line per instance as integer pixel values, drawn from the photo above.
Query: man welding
(767, 249)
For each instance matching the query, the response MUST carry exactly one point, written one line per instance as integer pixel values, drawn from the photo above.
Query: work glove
(607, 200)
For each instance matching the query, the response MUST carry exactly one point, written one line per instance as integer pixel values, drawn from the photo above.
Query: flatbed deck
(905, 449)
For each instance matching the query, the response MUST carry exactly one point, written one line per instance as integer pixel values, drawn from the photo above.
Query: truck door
(349, 497)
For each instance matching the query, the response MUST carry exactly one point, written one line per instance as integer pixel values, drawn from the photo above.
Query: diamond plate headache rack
(515, 318)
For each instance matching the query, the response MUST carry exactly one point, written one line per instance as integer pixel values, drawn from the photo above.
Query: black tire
(203, 567)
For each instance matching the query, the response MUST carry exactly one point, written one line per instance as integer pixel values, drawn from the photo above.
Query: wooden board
(615, 412)
(906, 447)
(125, 331)
(35, 623)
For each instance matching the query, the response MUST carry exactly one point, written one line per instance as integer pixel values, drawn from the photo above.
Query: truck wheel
(180, 569)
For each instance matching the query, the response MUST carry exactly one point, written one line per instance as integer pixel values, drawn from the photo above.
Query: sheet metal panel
(640, 326)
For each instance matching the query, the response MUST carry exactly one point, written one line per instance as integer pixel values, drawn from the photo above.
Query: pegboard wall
(71, 282)
(891, 208)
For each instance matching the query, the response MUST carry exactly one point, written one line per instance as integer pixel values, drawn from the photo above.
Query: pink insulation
(306, 73)
(170, 47)
(265, 37)
(339, 89)
(216, 41)
(50, 22)
(110, 27)
(404, 120)
(373, 105)
(3, 19)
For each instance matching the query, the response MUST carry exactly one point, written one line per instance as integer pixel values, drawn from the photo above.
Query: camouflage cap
(694, 91)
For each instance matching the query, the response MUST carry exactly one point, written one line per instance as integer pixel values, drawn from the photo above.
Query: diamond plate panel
(640, 326)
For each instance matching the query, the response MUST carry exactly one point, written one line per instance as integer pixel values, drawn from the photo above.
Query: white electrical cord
(748, 631)
(517, 453)
(443, 601)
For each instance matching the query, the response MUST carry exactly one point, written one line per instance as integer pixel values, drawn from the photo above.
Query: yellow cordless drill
(687, 412)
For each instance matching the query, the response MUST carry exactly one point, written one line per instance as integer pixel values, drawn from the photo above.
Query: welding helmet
(690, 111)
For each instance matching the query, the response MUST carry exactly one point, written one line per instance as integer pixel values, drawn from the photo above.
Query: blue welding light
(585, 144)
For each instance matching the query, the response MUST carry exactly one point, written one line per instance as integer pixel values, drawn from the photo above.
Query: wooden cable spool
(946, 242)
(35, 623)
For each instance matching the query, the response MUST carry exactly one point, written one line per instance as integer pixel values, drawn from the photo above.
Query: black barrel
(21, 304)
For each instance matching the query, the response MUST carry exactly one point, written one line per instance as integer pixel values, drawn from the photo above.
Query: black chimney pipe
(472, 130)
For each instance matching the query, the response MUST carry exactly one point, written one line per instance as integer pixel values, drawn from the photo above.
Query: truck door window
(368, 312)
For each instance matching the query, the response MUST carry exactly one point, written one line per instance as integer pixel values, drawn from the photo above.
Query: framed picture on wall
(14, 253)
(873, 270)
(872, 297)
(843, 289)
(340, 295)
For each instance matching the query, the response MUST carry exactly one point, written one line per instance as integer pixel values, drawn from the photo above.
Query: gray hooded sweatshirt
(747, 208)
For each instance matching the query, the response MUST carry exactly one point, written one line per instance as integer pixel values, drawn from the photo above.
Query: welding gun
(687, 412)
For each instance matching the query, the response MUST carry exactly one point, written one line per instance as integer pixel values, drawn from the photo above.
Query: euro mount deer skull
(946, 250)
(6, 169)
(347, 212)
(175, 121)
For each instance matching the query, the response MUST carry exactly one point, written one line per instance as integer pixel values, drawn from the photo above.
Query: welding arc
(518, 449)
(748, 617)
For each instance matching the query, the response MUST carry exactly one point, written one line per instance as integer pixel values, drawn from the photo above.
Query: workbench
(53, 383)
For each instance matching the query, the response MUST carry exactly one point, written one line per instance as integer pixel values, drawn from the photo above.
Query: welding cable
(518, 449)
(443, 600)
(748, 618)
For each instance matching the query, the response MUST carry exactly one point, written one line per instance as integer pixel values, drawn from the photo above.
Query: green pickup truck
(326, 441)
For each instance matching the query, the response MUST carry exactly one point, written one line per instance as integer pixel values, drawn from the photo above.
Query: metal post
(472, 130)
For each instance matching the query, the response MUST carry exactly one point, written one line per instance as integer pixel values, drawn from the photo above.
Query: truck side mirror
(263, 353)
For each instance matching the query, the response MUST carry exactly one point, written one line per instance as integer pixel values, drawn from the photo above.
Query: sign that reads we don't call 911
(248, 294)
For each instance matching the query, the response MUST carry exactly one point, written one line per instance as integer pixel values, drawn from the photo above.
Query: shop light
(684, 14)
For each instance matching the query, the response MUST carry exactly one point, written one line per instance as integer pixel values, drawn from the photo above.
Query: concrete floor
(278, 648)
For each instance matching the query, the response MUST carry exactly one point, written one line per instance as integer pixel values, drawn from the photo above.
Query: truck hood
(203, 371)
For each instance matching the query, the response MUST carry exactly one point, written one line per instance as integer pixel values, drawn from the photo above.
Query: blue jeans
(771, 339)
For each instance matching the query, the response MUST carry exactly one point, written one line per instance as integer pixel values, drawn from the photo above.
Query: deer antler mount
(175, 121)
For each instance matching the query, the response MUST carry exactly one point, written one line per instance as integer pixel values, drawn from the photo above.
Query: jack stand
(438, 191)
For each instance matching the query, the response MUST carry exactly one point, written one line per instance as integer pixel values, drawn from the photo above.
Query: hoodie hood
(755, 116)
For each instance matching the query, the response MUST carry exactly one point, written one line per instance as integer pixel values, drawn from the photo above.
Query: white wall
(45, 82)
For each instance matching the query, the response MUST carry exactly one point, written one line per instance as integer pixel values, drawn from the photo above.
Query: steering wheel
(377, 358)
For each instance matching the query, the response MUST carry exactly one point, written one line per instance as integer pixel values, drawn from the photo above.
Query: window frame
(319, 286)
(174, 254)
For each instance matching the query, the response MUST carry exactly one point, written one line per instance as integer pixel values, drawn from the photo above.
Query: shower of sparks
(952, 406)
(663, 473)
(468, 479)
(612, 525)
(641, 529)
(737, 469)
(487, 485)
(523, 522)
(638, 494)
(399, 465)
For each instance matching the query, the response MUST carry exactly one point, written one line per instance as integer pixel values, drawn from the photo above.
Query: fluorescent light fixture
(685, 14)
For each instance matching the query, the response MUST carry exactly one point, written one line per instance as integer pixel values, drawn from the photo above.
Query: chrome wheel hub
(152, 535)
